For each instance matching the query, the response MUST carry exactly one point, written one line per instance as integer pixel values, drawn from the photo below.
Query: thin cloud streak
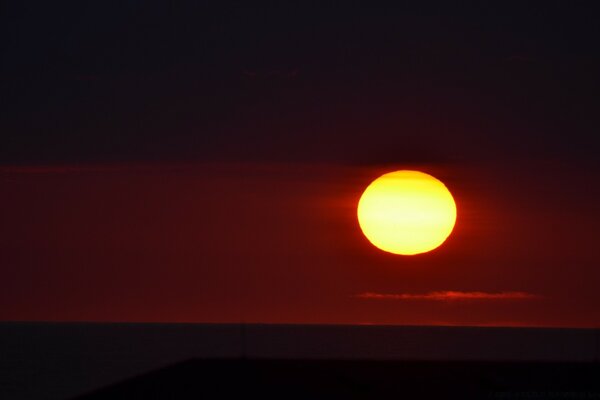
(68, 169)
(449, 295)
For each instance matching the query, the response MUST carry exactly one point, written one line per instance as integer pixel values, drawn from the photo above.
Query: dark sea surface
(65, 360)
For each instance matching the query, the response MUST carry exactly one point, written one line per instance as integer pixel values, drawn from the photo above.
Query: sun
(406, 212)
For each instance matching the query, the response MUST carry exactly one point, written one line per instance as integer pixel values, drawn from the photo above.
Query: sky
(180, 162)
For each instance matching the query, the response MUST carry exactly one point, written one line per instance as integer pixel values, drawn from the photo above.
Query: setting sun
(406, 212)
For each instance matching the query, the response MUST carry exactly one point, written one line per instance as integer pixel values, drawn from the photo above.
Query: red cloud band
(449, 295)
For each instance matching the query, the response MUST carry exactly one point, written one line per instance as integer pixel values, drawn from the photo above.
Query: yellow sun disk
(406, 212)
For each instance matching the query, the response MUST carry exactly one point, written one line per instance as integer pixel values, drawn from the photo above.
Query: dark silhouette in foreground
(325, 379)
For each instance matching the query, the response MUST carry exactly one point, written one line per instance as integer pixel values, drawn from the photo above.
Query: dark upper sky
(225, 146)
(173, 80)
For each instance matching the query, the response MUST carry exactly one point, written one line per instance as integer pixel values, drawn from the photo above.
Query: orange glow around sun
(406, 212)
